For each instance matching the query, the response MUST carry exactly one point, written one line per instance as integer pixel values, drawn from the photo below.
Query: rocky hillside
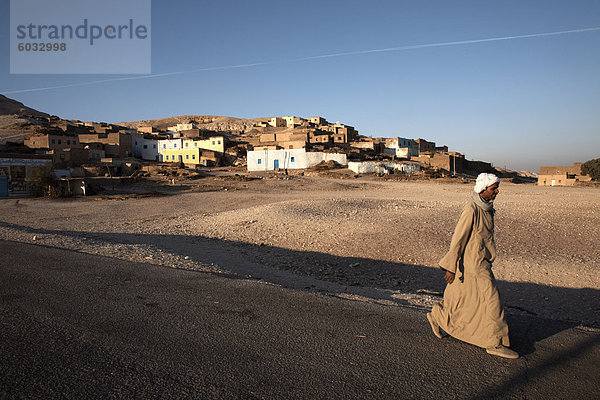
(209, 122)
(18, 121)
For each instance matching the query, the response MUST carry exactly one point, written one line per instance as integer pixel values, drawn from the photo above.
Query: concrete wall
(368, 167)
(267, 160)
(313, 158)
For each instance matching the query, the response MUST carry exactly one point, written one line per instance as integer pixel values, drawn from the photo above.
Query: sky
(415, 69)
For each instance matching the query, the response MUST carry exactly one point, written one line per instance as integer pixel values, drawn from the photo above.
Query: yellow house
(216, 143)
(186, 156)
(192, 156)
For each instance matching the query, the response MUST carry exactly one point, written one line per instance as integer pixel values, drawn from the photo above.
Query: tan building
(180, 127)
(115, 144)
(267, 137)
(291, 121)
(448, 162)
(293, 145)
(291, 137)
(425, 146)
(323, 138)
(76, 156)
(562, 175)
(344, 133)
(317, 120)
(277, 122)
(53, 142)
(146, 129)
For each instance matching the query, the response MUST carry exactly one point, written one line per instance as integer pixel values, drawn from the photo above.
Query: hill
(18, 122)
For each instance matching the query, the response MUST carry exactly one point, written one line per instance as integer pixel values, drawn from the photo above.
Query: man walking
(471, 310)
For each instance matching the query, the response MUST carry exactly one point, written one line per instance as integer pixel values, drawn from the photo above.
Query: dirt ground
(362, 237)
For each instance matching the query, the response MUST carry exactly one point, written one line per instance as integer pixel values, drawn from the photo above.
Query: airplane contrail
(350, 53)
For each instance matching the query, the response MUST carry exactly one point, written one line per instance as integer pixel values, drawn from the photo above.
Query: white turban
(484, 181)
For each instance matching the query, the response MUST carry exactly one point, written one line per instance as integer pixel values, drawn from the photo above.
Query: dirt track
(358, 233)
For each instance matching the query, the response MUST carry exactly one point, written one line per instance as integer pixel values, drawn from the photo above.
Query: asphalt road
(80, 326)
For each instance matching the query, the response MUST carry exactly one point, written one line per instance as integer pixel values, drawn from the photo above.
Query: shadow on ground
(355, 278)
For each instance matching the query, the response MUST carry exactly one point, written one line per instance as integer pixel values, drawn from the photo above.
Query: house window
(193, 156)
(174, 145)
(293, 159)
(68, 142)
(195, 144)
(218, 142)
(164, 146)
(153, 146)
(186, 144)
(136, 143)
(145, 146)
(53, 141)
(259, 161)
(213, 142)
(187, 156)
(167, 157)
(59, 141)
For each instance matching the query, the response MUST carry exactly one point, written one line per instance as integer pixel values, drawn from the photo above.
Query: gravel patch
(368, 240)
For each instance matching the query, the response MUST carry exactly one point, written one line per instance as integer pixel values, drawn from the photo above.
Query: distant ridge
(209, 122)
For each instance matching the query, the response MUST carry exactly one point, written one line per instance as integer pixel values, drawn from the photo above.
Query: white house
(146, 149)
(268, 160)
(401, 147)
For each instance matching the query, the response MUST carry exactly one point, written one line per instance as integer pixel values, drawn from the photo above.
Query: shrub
(592, 168)
(42, 180)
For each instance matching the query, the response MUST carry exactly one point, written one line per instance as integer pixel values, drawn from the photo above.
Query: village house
(562, 175)
(192, 156)
(216, 144)
(166, 145)
(292, 122)
(145, 148)
(425, 146)
(53, 142)
(344, 133)
(115, 144)
(452, 162)
(146, 129)
(95, 151)
(318, 121)
(269, 159)
(181, 127)
(277, 122)
(401, 147)
(206, 152)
